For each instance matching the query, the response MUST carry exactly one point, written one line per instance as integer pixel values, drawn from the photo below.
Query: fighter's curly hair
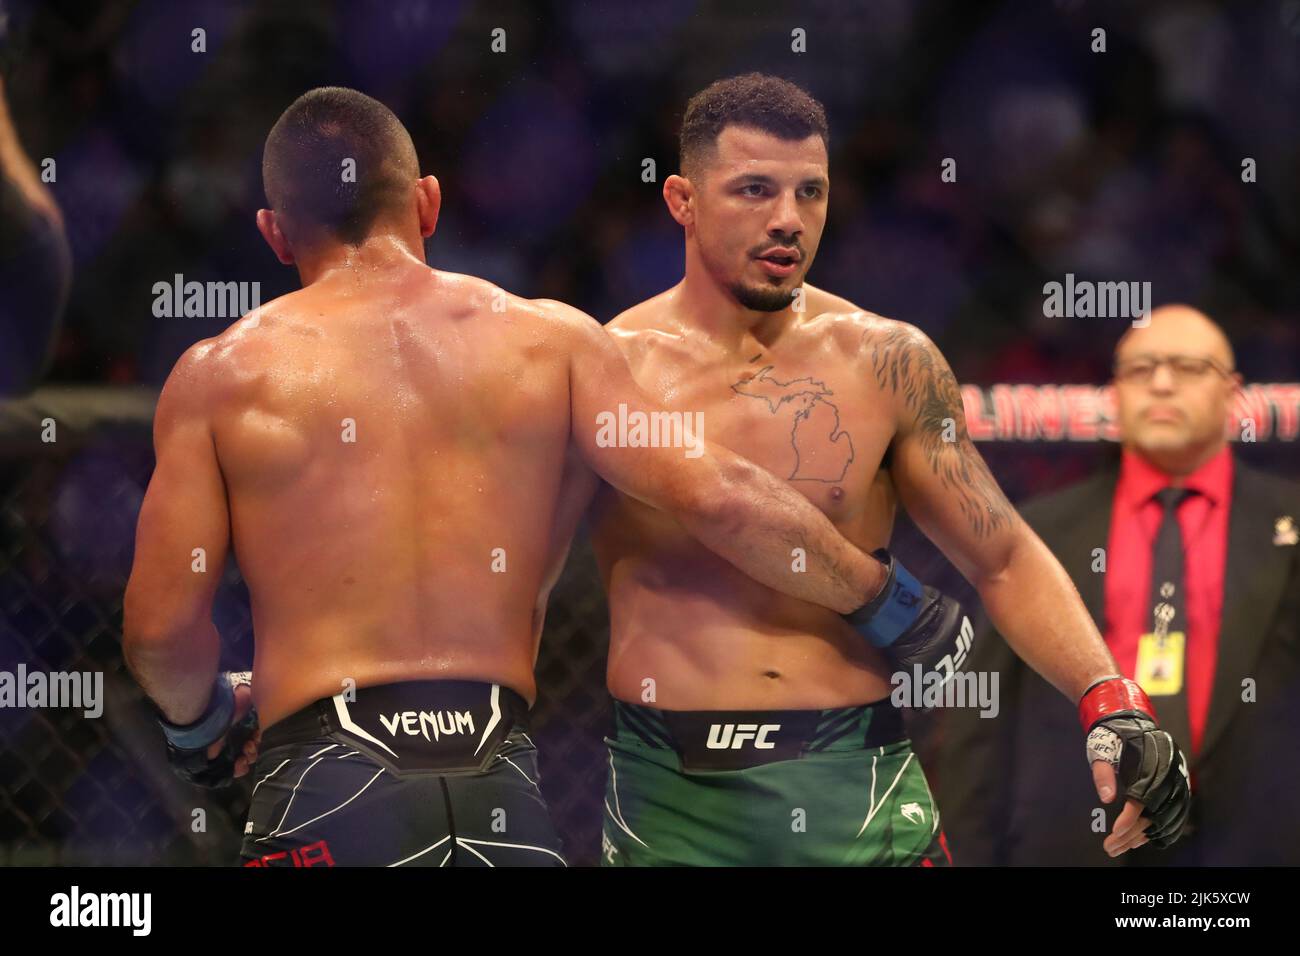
(754, 100)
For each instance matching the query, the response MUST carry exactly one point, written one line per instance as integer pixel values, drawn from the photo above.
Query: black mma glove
(1116, 716)
(913, 624)
(187, 746)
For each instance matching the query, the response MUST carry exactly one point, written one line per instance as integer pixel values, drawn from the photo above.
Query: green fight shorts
(835, 787)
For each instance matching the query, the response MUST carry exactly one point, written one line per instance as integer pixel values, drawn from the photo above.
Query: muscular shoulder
(853, 329)
(214, 369)
(898, 355)
(647, 327)
(192, 387)
(902, 361)
(219, 365)
(465, 295)
(568, 324)
(577, 331)
(579, 338)
(888, 350)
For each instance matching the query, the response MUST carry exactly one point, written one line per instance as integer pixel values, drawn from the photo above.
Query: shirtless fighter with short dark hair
(753, 727)
(399, 457)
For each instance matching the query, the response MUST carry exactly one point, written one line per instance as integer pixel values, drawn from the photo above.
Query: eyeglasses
(1184, 368)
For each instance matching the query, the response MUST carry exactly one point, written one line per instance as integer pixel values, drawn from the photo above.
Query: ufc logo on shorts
(733, 736)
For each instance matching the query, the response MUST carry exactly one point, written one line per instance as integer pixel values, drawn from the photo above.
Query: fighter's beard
(762, 299)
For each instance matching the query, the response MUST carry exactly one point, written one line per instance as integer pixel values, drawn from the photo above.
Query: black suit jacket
(1015, 789)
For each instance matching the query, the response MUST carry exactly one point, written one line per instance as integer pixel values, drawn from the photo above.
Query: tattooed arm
(949, 492)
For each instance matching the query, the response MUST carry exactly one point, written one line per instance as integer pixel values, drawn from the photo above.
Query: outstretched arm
(732, 506)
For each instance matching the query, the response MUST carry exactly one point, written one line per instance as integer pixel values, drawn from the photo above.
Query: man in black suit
(1187, 560)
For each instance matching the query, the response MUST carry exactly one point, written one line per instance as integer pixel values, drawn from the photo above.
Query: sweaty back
(394, 454)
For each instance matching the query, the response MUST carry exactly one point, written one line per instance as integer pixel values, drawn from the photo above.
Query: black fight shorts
(418, 773)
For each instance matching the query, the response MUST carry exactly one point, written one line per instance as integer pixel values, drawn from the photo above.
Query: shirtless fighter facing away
(398, 457)
(756, 728)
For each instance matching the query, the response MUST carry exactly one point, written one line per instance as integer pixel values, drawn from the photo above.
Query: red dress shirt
(1203, 518)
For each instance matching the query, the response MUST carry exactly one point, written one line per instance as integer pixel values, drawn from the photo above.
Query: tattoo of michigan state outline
(822, 450)
(904, 364)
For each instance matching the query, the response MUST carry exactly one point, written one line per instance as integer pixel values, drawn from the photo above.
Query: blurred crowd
(1120, 165)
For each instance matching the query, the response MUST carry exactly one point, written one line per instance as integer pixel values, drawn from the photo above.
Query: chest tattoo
(823, 450)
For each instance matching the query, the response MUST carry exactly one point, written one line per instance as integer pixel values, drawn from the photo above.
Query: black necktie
(1169, 602)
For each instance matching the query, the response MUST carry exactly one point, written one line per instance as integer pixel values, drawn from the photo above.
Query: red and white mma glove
(1117, 717)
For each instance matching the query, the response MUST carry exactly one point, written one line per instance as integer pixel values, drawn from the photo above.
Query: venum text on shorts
(443, 723)
(78, 690)
(633, 428)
